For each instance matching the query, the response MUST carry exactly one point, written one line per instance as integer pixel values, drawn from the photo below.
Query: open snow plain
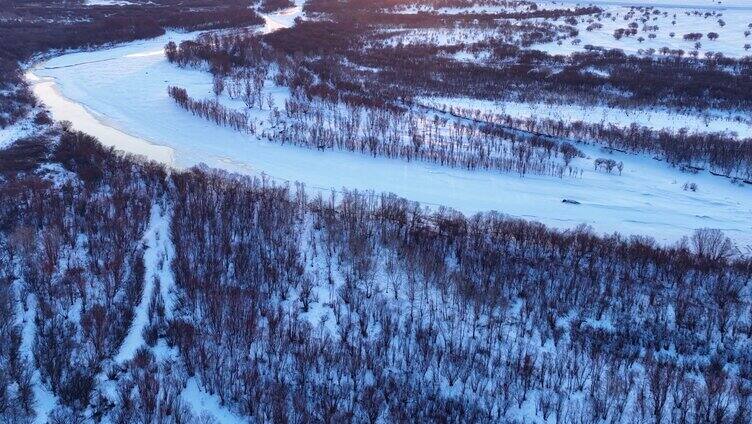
(664, 24)
(119, 94)
(739, 126)
(658, 24)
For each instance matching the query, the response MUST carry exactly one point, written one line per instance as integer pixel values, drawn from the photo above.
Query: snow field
(659, 24)
(679, 18)
(658, 119)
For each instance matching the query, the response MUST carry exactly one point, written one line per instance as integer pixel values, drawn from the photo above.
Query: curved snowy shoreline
(64, 109)
(89, 121)
(119, 95)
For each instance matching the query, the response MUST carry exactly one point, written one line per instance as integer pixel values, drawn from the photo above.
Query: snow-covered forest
(133, 294)
(369, 211)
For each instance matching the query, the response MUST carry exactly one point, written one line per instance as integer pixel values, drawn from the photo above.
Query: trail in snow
(203, 404)
(157, 259)
(44, 400)
(157, 263)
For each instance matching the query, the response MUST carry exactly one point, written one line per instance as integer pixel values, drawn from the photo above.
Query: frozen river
(119, 95)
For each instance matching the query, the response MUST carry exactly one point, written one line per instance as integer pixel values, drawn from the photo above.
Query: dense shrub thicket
(268, 6)
(296, 307)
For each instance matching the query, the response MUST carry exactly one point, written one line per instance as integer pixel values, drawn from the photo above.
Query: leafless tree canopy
(292, 306)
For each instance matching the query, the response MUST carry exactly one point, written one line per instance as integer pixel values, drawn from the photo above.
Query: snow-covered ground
(123, 89)
(439, 36)
(677, 17)
(663, 25)
(691, 4)
(207, 407)
(283, 18)
(659, 119)
(13, 132)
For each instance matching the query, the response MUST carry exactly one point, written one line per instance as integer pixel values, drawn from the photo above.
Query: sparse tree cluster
(211, 109)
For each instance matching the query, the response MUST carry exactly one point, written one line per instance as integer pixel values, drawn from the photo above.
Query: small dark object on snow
(570, 201)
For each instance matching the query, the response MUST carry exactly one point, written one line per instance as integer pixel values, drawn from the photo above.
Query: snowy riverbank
(119, 95)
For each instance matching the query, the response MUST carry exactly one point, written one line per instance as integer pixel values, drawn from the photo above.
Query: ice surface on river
(123, 89)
